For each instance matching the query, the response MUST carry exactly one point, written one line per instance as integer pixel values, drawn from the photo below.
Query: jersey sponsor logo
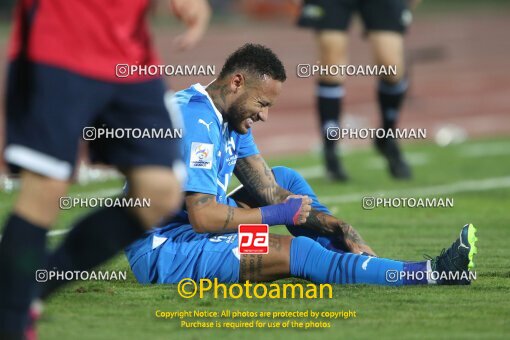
(253, 238)
(223, 238)
(231, 146)
(201, 155)
(201, 121)
(230, 149)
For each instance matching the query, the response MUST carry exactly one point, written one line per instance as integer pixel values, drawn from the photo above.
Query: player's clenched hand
(195, 14)
(293, 211)
(303, 211)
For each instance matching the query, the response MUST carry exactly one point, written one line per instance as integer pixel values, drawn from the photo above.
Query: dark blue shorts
(377, 15)
(48, 109)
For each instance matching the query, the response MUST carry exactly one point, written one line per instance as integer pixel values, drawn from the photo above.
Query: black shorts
(377, 15)
(48, 109)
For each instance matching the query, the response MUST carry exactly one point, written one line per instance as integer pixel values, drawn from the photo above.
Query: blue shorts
(49, 107)
(168, 256)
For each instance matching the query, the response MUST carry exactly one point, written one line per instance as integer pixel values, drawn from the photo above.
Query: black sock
(22, 253)
(391, 97)
(95, 239)
(329, 102)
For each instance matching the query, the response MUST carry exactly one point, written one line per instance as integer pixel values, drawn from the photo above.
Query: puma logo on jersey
(201, 121)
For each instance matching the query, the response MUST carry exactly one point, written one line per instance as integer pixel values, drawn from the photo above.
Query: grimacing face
(252, 103)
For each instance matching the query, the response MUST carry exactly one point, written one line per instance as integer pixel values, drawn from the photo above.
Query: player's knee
(161, 188)
(333, 46)
(286, 176)
(332, 51)
(389, 53)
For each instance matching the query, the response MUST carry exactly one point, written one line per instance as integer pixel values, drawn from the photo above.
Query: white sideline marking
(317, 171)
(413, 158)
(485, 149)
(314, 171)
(99, 193)
(474, 150)
(463, 186)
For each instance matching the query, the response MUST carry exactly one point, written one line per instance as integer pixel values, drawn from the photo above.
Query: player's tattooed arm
(208, 216)
(348, 238)
(260, 185)
(258, 179)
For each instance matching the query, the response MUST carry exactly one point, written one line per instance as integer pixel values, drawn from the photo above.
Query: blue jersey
(210, 147)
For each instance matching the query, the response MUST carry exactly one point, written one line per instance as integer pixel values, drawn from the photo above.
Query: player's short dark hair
(256, 59)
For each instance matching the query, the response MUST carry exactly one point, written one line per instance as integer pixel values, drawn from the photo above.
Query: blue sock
(22, 252)
(311, 261)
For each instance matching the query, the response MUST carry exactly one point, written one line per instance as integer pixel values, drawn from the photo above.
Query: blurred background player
(385, 23)
(62, 78)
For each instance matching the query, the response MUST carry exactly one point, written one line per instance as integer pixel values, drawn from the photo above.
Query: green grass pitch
(476, 174)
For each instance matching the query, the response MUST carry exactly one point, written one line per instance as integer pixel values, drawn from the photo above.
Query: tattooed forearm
(329, 225)
(350, 234)
(323, 223)
(259, 180)
(230, 217)
(201, 201)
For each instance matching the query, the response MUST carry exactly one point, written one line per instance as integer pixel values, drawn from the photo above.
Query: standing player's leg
(330, 20)
(23, 247)
(103, 233)
(330, 93)
(386, 22)
(389, 50)
(151, 166)
(46, 109)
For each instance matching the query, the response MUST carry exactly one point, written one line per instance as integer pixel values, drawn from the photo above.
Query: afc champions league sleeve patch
(201, 155)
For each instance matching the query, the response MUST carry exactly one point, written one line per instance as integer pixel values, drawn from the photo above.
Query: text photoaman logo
(309, 70)
(68, 202)
(91, 133)
(44, 275)
(127, 70)
(337, 133)
(253, 238)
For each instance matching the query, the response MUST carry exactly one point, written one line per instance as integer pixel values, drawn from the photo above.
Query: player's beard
(237, 114)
